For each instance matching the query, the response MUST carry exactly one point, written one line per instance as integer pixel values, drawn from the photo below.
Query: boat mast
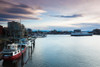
(20, 32)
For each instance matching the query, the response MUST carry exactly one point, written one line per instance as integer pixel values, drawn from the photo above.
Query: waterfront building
(29, 32)
(1, 30)
(77, 30)
(16, 29)
(6, 32)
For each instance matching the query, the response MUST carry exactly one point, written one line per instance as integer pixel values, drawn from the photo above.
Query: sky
(52, 14)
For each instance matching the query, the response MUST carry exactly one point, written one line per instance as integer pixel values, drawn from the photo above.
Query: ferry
(13, 51)
(78, 32)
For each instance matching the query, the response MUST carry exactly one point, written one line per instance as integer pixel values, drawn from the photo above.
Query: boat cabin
(12, 46)
(11, 50)
(77, 30)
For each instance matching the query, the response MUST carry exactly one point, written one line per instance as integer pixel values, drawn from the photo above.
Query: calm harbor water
(65, 51)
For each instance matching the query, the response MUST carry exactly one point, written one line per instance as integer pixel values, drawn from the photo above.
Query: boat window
(15, 52)
(8, 47)
(10, 54)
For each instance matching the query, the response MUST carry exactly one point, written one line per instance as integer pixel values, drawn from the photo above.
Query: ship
(13, 51)
(78, 32)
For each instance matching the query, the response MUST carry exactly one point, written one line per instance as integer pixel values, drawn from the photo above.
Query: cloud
(82, 26)
(1, 19)
(68, 16)
(87, 26)
(2, 23)
(7, 17)
(17, 10)
(54, 27)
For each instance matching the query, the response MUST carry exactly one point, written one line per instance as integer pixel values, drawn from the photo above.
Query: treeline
(52, 32)
(58, 32)
(96, 31)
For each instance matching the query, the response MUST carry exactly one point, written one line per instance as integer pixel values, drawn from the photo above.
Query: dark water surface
(65, 51)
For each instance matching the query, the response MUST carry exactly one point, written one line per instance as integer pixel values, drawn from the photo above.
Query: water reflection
(66, 51)
(10, 63)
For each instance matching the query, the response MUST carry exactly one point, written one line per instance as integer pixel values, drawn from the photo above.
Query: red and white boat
(13, 51)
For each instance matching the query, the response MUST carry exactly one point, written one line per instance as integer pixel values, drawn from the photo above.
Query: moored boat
(80, 33)
(13, 52)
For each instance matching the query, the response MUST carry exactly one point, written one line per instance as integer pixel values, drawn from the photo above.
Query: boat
(41, 35)
(78, 32)
(13, 51)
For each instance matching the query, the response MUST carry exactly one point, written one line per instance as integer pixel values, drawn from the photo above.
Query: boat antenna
(20, 20)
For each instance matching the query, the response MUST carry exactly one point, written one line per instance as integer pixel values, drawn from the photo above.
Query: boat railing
(9, 50)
